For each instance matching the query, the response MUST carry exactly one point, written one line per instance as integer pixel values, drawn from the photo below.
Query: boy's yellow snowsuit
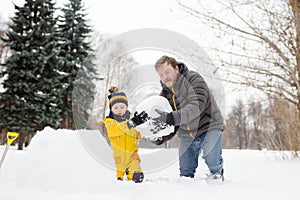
(124, 147)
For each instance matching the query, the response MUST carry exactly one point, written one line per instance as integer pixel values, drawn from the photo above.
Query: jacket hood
(182, 69)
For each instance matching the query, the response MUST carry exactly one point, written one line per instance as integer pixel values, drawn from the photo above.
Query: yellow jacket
(120, 136)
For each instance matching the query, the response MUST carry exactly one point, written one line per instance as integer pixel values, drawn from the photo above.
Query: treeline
(47, 56)
(264, 56)
(271, 124)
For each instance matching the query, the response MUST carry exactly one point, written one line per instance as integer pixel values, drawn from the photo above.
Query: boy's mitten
(137, 119)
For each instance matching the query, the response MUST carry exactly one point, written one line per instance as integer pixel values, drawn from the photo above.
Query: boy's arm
(115, 129)
(103, 131)
(138, 135)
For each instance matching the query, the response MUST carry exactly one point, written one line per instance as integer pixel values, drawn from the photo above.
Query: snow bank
(57, 159)
(58, 166)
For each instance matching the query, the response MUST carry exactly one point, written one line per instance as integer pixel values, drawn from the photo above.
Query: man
(197, 119)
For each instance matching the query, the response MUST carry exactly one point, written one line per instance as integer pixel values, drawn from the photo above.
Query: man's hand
(138, 119)
(164, 117)
(161, 122)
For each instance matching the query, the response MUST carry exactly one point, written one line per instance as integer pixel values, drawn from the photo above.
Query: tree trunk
(296, 12)
(239, 132)
(28, 138)
(21, 140)
(258, 137)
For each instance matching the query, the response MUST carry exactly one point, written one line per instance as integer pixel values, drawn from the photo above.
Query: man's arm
(197, 96)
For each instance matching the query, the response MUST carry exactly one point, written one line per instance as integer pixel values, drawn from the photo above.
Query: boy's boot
(138, 177)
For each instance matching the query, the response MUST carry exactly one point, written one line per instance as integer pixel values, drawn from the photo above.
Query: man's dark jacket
(195, 110)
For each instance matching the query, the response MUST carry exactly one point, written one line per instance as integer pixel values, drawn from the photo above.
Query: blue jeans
(189, 149)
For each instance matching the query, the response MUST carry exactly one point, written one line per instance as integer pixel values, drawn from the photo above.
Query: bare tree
(113, 68)
(261, 44)
(229, 138)
(238, 121)
(283, 132)
(255, 125)
(115, 74)
(255, 120)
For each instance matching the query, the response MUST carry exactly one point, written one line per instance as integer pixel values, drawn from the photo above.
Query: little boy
(122, 136)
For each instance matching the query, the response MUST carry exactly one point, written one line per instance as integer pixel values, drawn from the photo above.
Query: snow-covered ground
(58, 166)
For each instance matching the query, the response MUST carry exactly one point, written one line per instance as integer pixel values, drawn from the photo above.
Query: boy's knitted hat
(116, 97)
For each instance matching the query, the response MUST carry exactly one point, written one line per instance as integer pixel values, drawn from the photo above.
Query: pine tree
(78, 54)
(32, 85)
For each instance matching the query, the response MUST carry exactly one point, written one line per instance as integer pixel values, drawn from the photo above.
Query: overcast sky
(117, 16)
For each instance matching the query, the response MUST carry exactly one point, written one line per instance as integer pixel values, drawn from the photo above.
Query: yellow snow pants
(125, 150)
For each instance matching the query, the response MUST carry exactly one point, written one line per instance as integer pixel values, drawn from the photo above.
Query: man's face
(167, 74)
(119, 109)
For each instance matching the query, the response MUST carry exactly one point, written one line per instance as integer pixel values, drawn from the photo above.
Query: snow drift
(59, 165)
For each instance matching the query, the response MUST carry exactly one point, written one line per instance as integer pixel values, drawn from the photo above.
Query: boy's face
(119, 109)
(167, 74)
